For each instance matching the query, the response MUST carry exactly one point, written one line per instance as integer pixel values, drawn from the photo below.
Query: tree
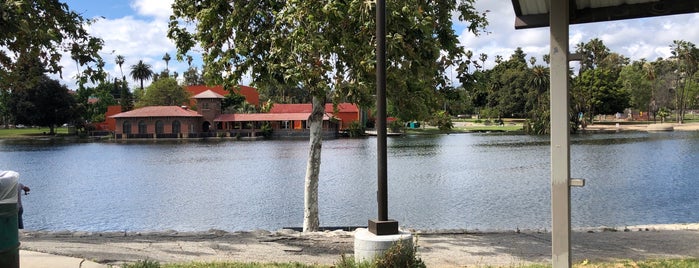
(119, 60)
(164, 92)
(167, 59)
(88, 111)
(47, 104)
(687, 56)
(638, 79)
(598, 91)
(326, 48)
(509, 85)
(42, 30)
(141, 71)
(232, 102)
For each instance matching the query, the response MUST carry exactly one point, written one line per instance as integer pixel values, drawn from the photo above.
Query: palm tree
(167, 59)
(141, 71)
(119, 61)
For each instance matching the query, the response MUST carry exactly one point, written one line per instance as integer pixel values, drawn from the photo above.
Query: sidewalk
(441, 249)
(32, 259)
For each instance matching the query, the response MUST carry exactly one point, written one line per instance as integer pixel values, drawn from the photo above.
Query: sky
(137, 30)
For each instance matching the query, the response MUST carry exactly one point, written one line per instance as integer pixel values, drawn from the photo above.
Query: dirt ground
(437, 249)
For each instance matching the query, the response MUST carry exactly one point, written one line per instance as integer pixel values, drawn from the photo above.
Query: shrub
(143, 264)
(355, 129)
(441, 120)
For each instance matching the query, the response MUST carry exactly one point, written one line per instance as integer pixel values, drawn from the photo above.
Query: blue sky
(136, 29)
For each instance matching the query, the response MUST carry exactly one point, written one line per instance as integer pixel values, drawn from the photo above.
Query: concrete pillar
(368, 246)
(560, 136)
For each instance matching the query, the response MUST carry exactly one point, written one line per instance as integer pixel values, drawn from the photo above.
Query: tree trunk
(311, 221)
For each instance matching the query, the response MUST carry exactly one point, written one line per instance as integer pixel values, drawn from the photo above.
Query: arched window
(159, 127)
(176, 127)
(126, 127)
(142, 127)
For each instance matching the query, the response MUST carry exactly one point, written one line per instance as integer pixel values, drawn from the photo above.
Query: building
(208, 119)
(158, 122)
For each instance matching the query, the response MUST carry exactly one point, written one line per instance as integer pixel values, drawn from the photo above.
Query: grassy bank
(674, 263)
(6, 133)
(466, 129)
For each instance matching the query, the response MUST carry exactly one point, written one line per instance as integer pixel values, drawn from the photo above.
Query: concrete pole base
(368, 246)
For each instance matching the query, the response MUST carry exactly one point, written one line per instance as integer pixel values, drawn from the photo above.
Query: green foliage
(340, 63)
(232, 102)
(47, 104)
(442, 120)
(355, 129)
(663, 113)
(164, 92)
(141, 71)
(396, 126)
(597, 91)
(40, 31)
(143, 264)
(93, 111)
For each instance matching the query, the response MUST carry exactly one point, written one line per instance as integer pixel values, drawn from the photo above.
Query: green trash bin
(9, 234)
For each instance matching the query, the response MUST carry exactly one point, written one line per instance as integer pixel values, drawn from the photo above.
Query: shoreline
(442, 248)
(610, 126)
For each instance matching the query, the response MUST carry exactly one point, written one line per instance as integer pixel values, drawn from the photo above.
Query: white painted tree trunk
(311, 221)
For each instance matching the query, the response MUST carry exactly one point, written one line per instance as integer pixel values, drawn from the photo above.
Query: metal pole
(560, 136)
(381, 109)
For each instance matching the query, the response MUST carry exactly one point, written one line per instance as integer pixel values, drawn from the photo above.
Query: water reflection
(470, 181)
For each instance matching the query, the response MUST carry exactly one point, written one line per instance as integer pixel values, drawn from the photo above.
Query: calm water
(469, 181)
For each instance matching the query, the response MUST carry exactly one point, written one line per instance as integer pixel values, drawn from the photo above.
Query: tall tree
(141, 71)
(119, 60)
(167, 59)
(42, 30)
(687, 60)
(325, 47)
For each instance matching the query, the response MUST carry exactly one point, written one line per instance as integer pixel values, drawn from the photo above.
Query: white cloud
(135, 38)
(160, 9)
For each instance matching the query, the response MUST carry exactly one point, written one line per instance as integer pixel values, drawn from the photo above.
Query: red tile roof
(307, 108)
(264, 117)
(158, 111)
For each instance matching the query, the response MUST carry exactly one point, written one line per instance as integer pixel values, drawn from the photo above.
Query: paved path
(32, 259)
(437, 250)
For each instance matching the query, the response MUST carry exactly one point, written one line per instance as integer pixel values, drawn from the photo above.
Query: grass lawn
(29, 132)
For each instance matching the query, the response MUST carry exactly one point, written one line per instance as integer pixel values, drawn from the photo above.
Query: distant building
(208, 120)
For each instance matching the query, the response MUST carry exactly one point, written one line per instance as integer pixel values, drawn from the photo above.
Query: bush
(143, 264)
(441, 120)
(396, 126)
(355, 129)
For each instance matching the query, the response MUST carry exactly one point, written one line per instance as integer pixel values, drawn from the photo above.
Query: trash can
(9, 234)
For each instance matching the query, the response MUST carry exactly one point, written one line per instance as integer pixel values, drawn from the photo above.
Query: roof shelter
(558, 15)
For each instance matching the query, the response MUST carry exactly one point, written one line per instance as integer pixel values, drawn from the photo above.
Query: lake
(464, 181)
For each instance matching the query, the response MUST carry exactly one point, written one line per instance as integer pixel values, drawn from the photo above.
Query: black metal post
(381, 108)
(381, 226)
